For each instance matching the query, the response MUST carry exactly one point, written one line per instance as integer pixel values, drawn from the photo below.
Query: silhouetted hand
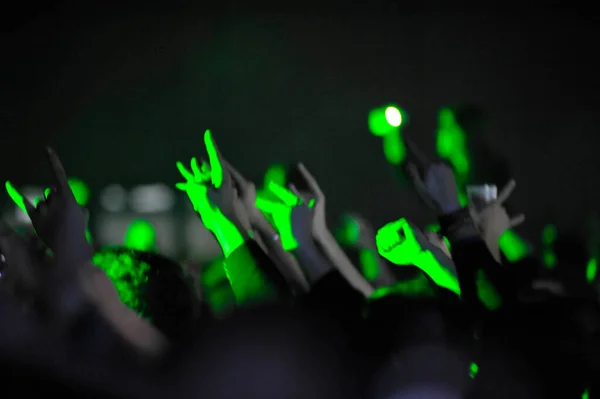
(436, 185)
(325, 238)
(316, 195)
(211, 190)
(493, 220)
(247, 193)
(292, 217)
(273, 244)
(58, 220)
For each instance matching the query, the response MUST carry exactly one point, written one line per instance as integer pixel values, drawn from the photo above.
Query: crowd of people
(291, 310)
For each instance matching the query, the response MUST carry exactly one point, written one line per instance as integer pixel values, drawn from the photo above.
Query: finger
(214, 158)
(285, 195)
(301, 198)
(266, 205)
(416, 153)
(506, 191)
(311, 182)
(205, 167)
(181, 186)
(517, 220)
(20, 200)
(294, 190)
(47, 192)
(203, 170)
(235, 175)
(196, 170)
(415, 177)
(62, 181)
(185, 173)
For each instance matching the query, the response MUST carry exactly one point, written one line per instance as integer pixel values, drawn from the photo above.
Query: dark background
(122, 95)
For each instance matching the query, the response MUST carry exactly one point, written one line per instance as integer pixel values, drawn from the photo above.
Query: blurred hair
(154, 286)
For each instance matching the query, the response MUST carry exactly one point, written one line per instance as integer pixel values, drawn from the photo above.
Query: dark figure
(154, 286)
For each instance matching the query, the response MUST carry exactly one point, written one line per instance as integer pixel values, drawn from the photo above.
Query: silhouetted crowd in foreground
(291, 310)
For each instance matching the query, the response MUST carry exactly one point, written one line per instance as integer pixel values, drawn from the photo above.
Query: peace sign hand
(57, 219)
(493, 220)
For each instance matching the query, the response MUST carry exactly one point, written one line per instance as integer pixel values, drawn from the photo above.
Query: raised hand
(403, 244)
(225, 194)
(325, 238)
(58, 220)
(212, 193)
(397, 243)
(291, 216)
(247, 192)
(275, 246)
(493, 220)
(319, 223)
(436, 185)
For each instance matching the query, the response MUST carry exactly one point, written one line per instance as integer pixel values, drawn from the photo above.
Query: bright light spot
(393, 116)
(113, 198)
(152, 198)
(140, 235)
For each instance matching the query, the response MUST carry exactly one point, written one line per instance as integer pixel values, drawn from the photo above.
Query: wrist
(313, 263)
(450, 207)
(458, 225)
(228, 236)
(229, 244)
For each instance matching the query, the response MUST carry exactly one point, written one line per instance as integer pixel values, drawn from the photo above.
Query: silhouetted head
(154, 286)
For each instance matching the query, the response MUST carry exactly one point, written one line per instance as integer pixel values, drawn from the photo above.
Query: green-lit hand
(396, 242)
(211, 191)
(196, 187)
(224, 194)
(281, 214)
